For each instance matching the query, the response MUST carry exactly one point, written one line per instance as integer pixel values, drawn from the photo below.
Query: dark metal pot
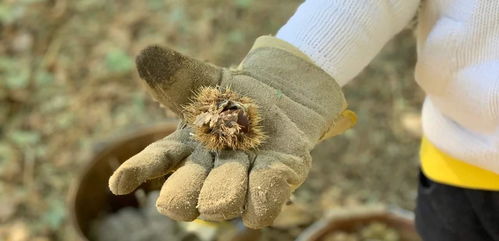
(348, 220)
(91, 197)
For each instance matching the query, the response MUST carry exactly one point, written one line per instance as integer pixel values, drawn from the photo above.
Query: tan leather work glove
(299, 105)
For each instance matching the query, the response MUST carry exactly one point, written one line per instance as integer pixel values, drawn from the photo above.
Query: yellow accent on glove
(345, 121)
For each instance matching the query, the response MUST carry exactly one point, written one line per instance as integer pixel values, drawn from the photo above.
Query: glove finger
(178, 197)
(155, 160)
(271, 180)
(224, 190)
(172, 78)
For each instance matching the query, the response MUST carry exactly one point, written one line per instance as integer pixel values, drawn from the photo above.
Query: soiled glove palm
(299, 104)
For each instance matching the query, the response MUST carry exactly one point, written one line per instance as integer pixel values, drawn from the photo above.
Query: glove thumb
(171, 78)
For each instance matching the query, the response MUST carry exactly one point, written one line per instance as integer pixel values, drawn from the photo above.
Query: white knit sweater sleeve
(343, 36)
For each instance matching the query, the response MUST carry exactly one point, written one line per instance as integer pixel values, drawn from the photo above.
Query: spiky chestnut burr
(222, 119)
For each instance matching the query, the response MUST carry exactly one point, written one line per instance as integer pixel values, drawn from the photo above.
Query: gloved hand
(299, 105)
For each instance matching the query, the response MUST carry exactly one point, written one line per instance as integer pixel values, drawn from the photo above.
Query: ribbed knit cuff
(342, 37)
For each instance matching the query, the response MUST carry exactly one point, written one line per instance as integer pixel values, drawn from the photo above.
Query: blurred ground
(67, 82)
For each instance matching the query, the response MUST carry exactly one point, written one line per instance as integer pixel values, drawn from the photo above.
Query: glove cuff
(291, 73)
(268, 41)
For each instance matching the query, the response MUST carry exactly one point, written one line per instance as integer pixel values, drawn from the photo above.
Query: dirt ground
(67, 83)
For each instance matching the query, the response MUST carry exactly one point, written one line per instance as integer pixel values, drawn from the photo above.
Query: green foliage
(243, 3)
(138, 101)
(9, 13)
(6, 153)
(118, 61)
(65, 120)
(24, 138)
(156, 4)
(44, 78)
(236, 36)
(14, 73)
(54, 104)
(177, 15)
(19, 80)
(55, 214)
(86, 5)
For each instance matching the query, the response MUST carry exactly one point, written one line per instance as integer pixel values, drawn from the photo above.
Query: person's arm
(343, 36)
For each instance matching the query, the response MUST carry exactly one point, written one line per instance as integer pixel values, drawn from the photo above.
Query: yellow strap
(345, 121)
(443, 168)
